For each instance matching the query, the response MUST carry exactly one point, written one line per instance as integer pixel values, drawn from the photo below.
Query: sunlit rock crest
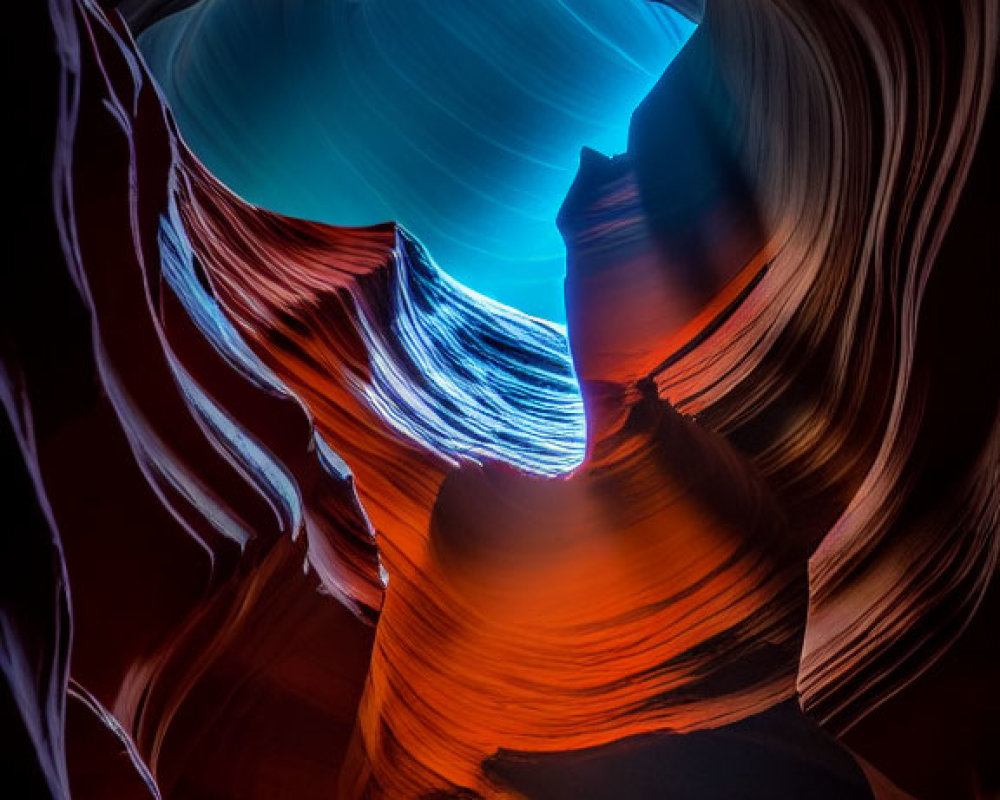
(323, 523)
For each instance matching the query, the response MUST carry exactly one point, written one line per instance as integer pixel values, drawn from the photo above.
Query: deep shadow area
(776, 755)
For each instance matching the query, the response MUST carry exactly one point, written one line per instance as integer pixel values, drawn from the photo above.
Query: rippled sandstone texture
(293, 515)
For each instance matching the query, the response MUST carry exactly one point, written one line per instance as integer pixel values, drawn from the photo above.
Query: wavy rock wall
(298, 515)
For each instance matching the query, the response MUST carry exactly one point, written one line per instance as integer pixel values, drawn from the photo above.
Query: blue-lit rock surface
(461, 121)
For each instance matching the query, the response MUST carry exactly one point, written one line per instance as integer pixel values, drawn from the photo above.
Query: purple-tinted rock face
(293, 514)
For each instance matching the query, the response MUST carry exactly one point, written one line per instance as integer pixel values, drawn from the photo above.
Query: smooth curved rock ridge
(787, 487)
(459, 375)
(35, 627)
(527, 557)
(864, 133)
(179, 529)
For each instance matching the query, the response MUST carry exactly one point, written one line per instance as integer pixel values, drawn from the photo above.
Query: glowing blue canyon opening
(461, 120)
